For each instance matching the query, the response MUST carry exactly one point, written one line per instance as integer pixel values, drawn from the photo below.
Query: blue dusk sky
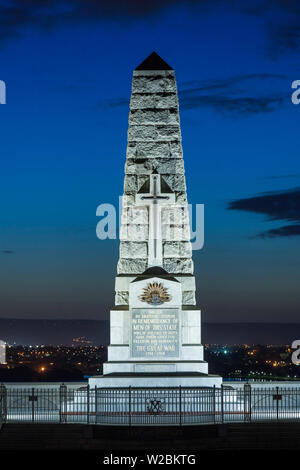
(68, 67)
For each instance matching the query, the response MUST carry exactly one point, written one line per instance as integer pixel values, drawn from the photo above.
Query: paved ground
(268, 436)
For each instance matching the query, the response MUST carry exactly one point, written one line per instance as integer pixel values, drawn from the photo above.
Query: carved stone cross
(155, 199)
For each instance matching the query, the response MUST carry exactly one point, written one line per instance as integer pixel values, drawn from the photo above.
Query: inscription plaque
(155, 333)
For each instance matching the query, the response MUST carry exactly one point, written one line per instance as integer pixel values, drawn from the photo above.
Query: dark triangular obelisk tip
(154, 62)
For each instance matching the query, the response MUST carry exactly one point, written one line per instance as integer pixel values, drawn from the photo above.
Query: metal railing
(149, 406)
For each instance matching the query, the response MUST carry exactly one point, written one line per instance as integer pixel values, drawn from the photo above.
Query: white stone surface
(159, 101)
(133, 249)
(122, 282)
(119, 327)
(176, 216)
(187, 282)
(151, 150)
(175, 233)
(192, 352)
(191, 327)
(119, 353)
(134, 232)
(142, 368)
(176, 182)
(121, 297)
(157, 116)
(178, 367)
(164, 166)
(172, 265)
(154, 73)
(177, 250)
(150, 132)
(188, 298)
(175, 381)
(131, 266)
(137, 215)
(154, 84)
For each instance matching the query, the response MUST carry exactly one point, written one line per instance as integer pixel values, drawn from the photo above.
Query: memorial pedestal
(156, 342)
(155, 380)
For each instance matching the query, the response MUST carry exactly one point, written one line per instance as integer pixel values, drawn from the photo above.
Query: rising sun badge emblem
(155, 294)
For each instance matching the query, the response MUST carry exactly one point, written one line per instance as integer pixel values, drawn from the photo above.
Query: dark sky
(68, 67)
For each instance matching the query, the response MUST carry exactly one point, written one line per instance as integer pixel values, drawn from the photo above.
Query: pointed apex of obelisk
(154, 62)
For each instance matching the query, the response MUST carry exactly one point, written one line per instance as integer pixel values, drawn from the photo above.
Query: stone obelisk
(155, 325)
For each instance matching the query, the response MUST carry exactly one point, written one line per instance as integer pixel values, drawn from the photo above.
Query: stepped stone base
(156, 380)
(153, 367)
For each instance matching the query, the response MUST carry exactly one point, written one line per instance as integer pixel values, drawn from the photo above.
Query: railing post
(247, 402)
(214, 403)
(62, 403)
(277, 403)
(3, 404)
(180, 406)
(96, 404)
(88, 404)
(222, 403)
(129, 406)
(32, 404)
(250, 403)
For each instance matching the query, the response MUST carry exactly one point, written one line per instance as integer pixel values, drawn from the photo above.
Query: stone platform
(156, 380)
(155, 345)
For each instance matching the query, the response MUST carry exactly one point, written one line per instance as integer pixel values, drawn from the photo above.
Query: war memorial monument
(155, 325)
(155, 373)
